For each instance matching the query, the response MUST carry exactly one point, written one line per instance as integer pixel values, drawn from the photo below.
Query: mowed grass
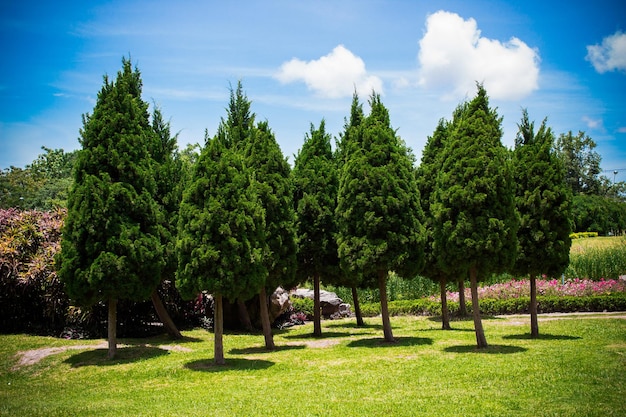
(576, 368)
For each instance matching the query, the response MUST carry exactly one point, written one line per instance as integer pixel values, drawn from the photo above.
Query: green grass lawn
(576, 368)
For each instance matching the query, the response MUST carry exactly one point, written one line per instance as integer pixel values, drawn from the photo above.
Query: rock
(279, 303)
(331, 305)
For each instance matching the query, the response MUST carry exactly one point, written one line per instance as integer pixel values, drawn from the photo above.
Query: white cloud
(592, 123)
(454, 56)
(610, 55)
(334, 75)
(621, 129)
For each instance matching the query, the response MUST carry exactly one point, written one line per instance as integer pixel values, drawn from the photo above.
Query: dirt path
(31, 357)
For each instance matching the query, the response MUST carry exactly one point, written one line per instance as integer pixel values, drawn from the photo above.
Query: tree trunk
(534, 324)
(218, 329)
(317, 311)
(445, 318)
(384, 309)
(265, 320)
(357, 308)
(244, 316)
(481, 342)
(164, 316)
(462, 307)
(112, 328)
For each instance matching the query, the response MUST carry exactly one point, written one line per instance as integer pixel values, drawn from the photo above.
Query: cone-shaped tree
(273, 175)
(221, 233)
(475, 219)
(111, 246)
(543, 202)
(315, 198)
(426, 184)
(378, 208)
(351, 130)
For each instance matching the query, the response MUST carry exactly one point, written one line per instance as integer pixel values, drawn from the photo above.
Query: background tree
(273, 176)
(350, 133)
(221, 233)
(426, 184)
(378, 207)
(581, 162)
(315, 198)
(543, 203)
(111, 246)
(170, 181)
(475, 218)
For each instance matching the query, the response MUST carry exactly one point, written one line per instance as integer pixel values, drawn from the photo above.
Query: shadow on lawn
(489, 350)
(526, 336)
(325, 335)
(130, 354)
(232, 364)
(261, 349)
(400, 341)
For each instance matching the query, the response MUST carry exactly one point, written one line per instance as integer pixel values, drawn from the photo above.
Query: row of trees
(238, 221)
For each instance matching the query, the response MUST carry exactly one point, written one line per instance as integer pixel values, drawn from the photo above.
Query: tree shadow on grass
(325, 335)
(400, 341)
(232, 364)
(527, 336)
(489, 350)
(261, 349)
(130, 354)
(353, 325)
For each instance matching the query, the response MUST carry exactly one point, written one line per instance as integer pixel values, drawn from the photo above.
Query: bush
(490, 306)
(581, 235)
(304, 306)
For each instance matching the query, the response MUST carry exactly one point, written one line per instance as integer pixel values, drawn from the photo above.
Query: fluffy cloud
(592, 123)
(334, 75)
(453, 56)
(610, 55)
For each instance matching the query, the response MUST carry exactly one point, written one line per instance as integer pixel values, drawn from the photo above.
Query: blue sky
(300, 61)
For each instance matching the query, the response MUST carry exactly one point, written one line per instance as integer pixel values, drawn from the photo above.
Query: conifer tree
(273, 177)
(475, 218)
(378, 207)
(221, 233)
(543, 202)
(350, 133)
(315, 198)
(111, 246)
(426, 184)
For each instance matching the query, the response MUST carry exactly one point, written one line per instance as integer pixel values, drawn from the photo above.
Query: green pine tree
(475, 222)
(543, 202)
(315, 198)
(221, 233)
(111, 246)
(378, 207)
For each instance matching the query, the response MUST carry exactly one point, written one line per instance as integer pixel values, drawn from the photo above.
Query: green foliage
(598, 263)
(475, 221)
(599, 214)
(378, 210)
(42, 185)
(543, 202)
(582, 163)
(315, 198)
(275, 189)
(303, 305)
(490, 306)
(221, 230)
(583, 235)
(111, 246)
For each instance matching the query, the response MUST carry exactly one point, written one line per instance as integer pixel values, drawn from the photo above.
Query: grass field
(576, 368)
(594, 243)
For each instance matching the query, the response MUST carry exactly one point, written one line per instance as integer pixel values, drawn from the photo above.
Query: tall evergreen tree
(111, 246)
(426, 184)
(170, 182)
(315, 198)
(543, 202)
(378, 207)
(273, 175)
(350, 134)
(475, 219)
(221, 233)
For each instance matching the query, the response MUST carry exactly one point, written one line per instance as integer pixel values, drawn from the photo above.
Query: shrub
(303, 305)
(581, 235)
